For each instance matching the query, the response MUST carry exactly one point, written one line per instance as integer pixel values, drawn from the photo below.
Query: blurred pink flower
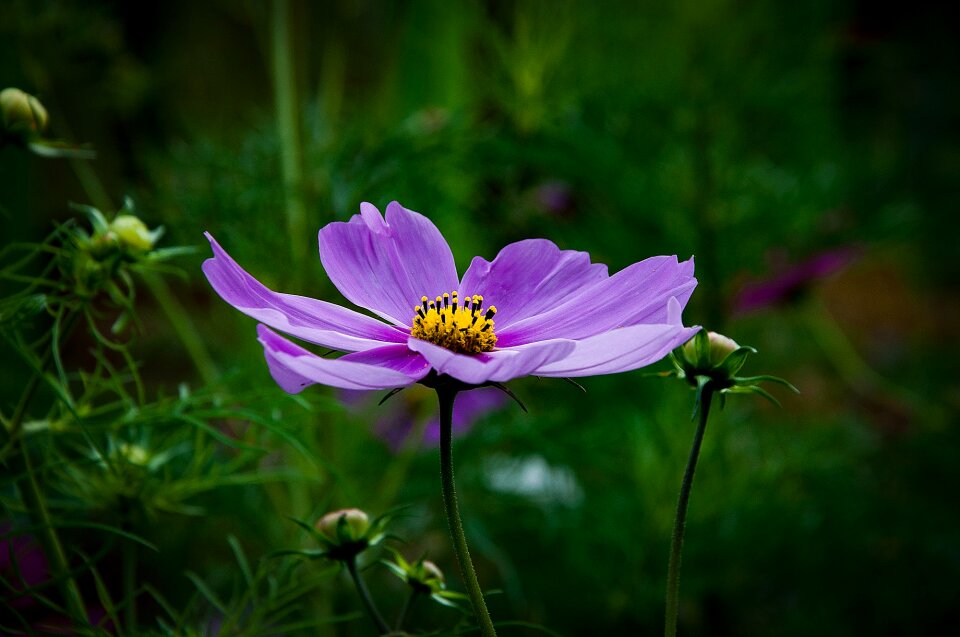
(789, 283)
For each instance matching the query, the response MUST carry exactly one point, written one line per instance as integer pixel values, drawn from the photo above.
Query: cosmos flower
(557, 314)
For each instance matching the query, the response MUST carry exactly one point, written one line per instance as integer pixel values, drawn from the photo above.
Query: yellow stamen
(465, 329)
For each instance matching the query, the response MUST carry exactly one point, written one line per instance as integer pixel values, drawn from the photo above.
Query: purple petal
(294, 368)
(387, 265)
(396, 357)
(637, 293)
(655, 311)
(498, 366)
(310, 319)
(528, 277)
(623, 349)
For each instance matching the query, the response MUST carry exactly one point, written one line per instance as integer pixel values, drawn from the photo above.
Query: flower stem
(287, 116)
(705, 396)
(183, 326)
(130, 585)
(407, 605)
(467, 572)
(36, 506)
(365, 596)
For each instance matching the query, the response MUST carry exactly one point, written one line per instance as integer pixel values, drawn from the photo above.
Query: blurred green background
(757, 136)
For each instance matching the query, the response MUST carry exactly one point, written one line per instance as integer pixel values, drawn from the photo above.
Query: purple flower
(557, 314)
(791, 282)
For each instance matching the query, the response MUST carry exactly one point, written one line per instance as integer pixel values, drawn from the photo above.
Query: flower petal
(310, 319)
(638, 293)
(622, 349)
(527, 277)
(497, 366)
(396, 357)
(294, 368)
(387, 265)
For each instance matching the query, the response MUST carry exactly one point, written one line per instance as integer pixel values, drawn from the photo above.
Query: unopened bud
(345, 525)
(713, 355)
(133, 233)
(22, 113)
(429, 576)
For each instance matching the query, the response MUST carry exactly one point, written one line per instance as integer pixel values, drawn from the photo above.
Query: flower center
(463, 328)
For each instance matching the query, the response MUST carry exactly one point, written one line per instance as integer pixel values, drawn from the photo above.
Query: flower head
(712, 359)
(425, 578)
(23, 118)
(345, 525)
(21, 113)
(534, 310)
(346, 533)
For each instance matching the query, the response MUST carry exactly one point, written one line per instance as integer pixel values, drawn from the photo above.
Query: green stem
(676, 542)
(407, 605)
(130, 585)
(467, 572)
(183, 326)
(365, 596)
(288, 130)
(37, 509)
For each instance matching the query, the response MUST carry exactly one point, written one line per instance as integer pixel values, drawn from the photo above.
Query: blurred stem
(407, 605)
(287, 114)
(446, 396)
(91, 184)
(859, 375)
(36, 507)
(130, 585)
(183, 326)
(365, 596)
(706, 224)
(705, 395)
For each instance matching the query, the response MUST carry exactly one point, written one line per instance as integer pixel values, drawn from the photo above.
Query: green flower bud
(22, 113)
(133, 233)
(713, 360)
(712, 355)
(345, 525)
(423, 576)
(345, 533)
(428, 578)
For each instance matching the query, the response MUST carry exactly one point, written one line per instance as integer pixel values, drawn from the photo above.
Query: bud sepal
(712, 360)
(425, 578)
(342, 535)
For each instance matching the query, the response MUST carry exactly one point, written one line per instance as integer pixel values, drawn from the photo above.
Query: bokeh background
(805, 153)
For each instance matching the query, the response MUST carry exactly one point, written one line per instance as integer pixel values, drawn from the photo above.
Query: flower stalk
(704, 398)
(365, 596)
(287, 117)
(709, 363)
(446, 396)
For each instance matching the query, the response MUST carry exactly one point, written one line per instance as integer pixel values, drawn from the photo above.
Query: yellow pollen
(463, 327)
